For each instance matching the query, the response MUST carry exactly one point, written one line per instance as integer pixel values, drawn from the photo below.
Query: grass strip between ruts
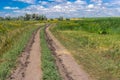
(49, 68)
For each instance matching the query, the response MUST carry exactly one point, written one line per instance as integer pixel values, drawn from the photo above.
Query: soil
(29, 64)
(67, 66)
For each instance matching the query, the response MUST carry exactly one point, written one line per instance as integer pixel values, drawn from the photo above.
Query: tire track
(29, 65)
(66, 64)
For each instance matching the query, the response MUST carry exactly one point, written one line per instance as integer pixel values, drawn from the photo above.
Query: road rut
(33, 71)
(66, 64)
(29, 64)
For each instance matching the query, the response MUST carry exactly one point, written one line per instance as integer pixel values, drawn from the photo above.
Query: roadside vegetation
(94, 43)
(49, 68)
(14, 35)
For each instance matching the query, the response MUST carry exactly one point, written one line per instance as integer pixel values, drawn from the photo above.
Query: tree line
(26, 17)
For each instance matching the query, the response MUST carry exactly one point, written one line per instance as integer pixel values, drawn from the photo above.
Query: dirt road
(33, 71)
(29, 64)
(67, 66)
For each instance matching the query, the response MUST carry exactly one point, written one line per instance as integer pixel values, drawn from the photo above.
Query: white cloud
(115, 2)
(80, 2)
(97, 1)
(58, 0)
(43, 2)
(79, 8)
(91, 6)
(8, 7)
(27, 1)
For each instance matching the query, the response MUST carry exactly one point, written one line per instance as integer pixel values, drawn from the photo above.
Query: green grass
(9, 32)
(97, 25)
(49, 68)
(99, 54)
(13, 47)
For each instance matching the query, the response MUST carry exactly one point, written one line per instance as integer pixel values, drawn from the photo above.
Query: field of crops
(94, 43)
(13, 37)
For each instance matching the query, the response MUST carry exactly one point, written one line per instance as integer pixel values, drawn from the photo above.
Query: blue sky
(56, 8)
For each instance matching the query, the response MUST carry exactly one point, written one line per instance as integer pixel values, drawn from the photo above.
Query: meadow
(14, 35)
(94, 43)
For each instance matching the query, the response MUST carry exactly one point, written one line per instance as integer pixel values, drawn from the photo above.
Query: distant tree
(67, 19)
(51, 19)
(41, 17)
(20, 17)
(8, 18)
(44, 17)
(60, 18)
(27, 17)
(1, 18)
(34, 16)
(14, 18)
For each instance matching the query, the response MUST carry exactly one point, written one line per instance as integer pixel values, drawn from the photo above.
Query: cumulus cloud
(80, 2)
(43, 2)
(27, 1)
(78, 8)
(115, 2)
(13, 8)
(90, 6)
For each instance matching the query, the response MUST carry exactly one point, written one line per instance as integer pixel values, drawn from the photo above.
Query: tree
(67, 19)
(41, 17)
(27, 17)
(20, 17)
(1, 18)
(34, 16)
(60, 18)
(51, 19)
(8, 18)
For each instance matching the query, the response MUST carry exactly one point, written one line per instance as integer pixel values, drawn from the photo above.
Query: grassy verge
(10, 32)
(8, 59)
(98, 53)
(49, 68)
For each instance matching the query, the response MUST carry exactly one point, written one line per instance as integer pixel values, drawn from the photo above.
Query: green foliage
(66, 25)
(26, 17)
(60, 18)
(67, 19)
(94, 43)
(1, 18)
(97, 25)
(9, 31)
(49, 68)
(12, 43)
